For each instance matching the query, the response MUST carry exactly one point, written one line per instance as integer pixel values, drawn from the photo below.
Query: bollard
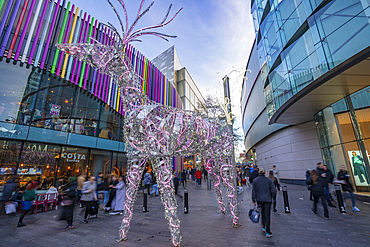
(338, 191)
(186, 201)
(286, 200)
(208, 183)
(145, 202)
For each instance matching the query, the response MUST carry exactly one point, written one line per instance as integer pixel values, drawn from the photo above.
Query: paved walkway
(203, 226)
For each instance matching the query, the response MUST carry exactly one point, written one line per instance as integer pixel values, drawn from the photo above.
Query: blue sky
(212, 35)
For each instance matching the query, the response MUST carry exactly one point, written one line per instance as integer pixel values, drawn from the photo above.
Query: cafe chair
(51, 198)
(40, 200)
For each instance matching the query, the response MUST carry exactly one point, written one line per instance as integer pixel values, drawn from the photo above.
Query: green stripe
(60, 39)
(84, 64)
(1, 4)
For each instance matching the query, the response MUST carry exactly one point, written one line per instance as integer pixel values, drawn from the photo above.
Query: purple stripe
(65, 38)
(75, 60)
(98, 76)
(5, 17)
(49, 35)
(84, 40)
(102, 75)
(37, 33)
(88, 65)
(10, 26)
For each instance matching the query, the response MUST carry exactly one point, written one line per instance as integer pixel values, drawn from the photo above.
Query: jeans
(106, 196)
(23, 213)
(87, 205)
(78, 196)
(265, 215)
(199, 181)
(155, 189)
(274, 201)
(353, 199)
(147, 186)
(323, 200)
(327, 194)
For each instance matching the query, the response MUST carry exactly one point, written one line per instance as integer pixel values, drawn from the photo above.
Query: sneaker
(69, 227)
(332, 205)
(268, 235)
(121, 213)
(356, 209)
(263, 229)
(85, 221)
(274, 210)
(327, 218)
(20, 224)
(114, 213)
(313, 211)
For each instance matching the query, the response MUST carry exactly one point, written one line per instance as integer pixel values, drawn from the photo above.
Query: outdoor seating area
(42, 201)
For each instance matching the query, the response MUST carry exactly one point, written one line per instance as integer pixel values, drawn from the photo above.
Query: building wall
(293, 150)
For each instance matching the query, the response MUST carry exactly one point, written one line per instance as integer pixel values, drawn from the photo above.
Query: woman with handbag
(28, 196)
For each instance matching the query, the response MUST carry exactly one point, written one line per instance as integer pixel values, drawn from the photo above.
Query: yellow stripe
(118, 97)
(69, 41)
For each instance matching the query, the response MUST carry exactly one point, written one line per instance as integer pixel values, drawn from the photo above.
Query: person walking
(192, 172)
(28, 196)
(7, 195)
(322, 169)
(198, 175)
(277, 188)
(343, 177)
(155, 186)
(253, 175)
(175, 182)
(88, 194)
(118, 203)
(147, 181)
(69, 194)
(204, 173)
(112, 193)
(317, 184)
(308, 174)
(104, 188)
(183, 178)
(262, 193)
(80, 182)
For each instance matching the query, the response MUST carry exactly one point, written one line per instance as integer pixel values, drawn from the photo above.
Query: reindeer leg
(216, 179)
(228, 176)
(163, 172)
(134, 173)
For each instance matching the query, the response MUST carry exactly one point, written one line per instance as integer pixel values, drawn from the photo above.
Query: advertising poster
(358, 168)
(5, 171)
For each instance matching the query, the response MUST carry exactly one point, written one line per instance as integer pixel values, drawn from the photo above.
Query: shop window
(73, 161)
(13, 84)
(53, 106)
(346, 130)
(100, 161)
(38, 162)
(109, 123)
(9, 153)
(85, 115)
(363, 119)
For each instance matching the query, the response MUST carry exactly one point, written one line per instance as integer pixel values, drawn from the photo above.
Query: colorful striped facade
(30, 29)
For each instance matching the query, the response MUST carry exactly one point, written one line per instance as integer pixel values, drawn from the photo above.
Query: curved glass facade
(299, 41)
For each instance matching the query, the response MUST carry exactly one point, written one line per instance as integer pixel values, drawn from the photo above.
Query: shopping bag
(254, 215)
(10, 208)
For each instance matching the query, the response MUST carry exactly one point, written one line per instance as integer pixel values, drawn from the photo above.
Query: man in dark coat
(262, 193)
(183, 178)
(343, 177)
(317, 184)
(175, 182)
(7, 193)
(322, 169)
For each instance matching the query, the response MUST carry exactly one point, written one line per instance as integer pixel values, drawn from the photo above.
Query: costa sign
(73, 157)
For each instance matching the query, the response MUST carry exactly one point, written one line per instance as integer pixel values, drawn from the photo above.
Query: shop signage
(73, 157)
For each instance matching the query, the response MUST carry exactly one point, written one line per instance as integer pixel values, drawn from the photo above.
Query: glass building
(60, 117)
(311, 58)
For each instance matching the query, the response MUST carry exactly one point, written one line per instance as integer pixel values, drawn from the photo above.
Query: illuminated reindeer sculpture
(157, 131)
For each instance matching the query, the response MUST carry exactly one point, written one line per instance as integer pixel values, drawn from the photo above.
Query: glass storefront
(344, 135)
(51, 129)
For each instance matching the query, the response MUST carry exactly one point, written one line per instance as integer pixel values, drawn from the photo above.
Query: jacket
(71, 189)
(183, 175)
(86, 195)
(147, 178)
(343, 175)
(29, 195)
(317, 188)
(176, 181)
(198, 174)
(253, 175)
(8, 190)
(263, 189)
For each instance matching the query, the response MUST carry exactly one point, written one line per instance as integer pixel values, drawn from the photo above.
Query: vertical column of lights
(216, 179)
(10, 27)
